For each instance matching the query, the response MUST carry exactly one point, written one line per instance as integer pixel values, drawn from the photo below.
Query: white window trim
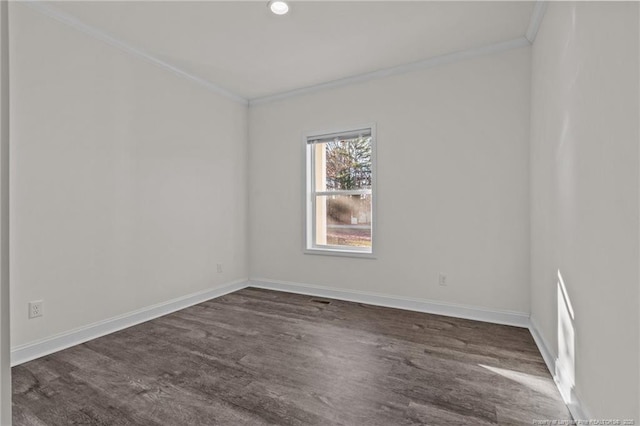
(307, 204)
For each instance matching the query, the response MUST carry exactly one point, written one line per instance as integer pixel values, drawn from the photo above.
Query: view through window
(340, 184)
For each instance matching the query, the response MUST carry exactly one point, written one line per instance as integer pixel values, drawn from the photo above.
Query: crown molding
(71, 21)
(400, 69)
(539, 8)
(91, 31)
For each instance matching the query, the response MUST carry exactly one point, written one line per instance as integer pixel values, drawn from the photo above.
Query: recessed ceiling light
(278, 7)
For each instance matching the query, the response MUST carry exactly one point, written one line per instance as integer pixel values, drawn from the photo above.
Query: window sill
(340, 253)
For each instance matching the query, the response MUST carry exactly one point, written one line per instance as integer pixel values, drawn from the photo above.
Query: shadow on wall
(565, 364)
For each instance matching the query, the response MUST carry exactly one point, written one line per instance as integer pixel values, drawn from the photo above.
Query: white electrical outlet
(35, 309)
(219, 268)
(442, 279)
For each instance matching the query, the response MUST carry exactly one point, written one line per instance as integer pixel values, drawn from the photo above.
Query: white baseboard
(547, 355)
(58, 342)
(37, 349)
(517, 319)
(573, 402)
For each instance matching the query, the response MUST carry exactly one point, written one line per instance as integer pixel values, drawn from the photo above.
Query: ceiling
(242, 47)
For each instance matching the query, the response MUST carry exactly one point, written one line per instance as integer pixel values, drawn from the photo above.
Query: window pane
(343, 164)
(343, 220)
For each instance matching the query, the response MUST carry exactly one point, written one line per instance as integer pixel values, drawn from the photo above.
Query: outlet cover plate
(35, 309)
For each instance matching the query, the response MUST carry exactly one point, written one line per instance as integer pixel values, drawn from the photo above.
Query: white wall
(5, 368)
(132, 186)
(453, 187)
(584, 196)
(128, 183)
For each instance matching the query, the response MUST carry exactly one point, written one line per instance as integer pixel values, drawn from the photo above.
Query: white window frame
(309, 245)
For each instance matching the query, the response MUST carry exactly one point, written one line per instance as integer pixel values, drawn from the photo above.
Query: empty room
(319, 213)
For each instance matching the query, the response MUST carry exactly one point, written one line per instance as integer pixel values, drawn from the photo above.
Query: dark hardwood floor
(258, 357)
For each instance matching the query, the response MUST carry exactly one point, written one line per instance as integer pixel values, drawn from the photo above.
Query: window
(340, 192)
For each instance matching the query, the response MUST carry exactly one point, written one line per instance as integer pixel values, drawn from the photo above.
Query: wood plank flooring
(258, 357)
